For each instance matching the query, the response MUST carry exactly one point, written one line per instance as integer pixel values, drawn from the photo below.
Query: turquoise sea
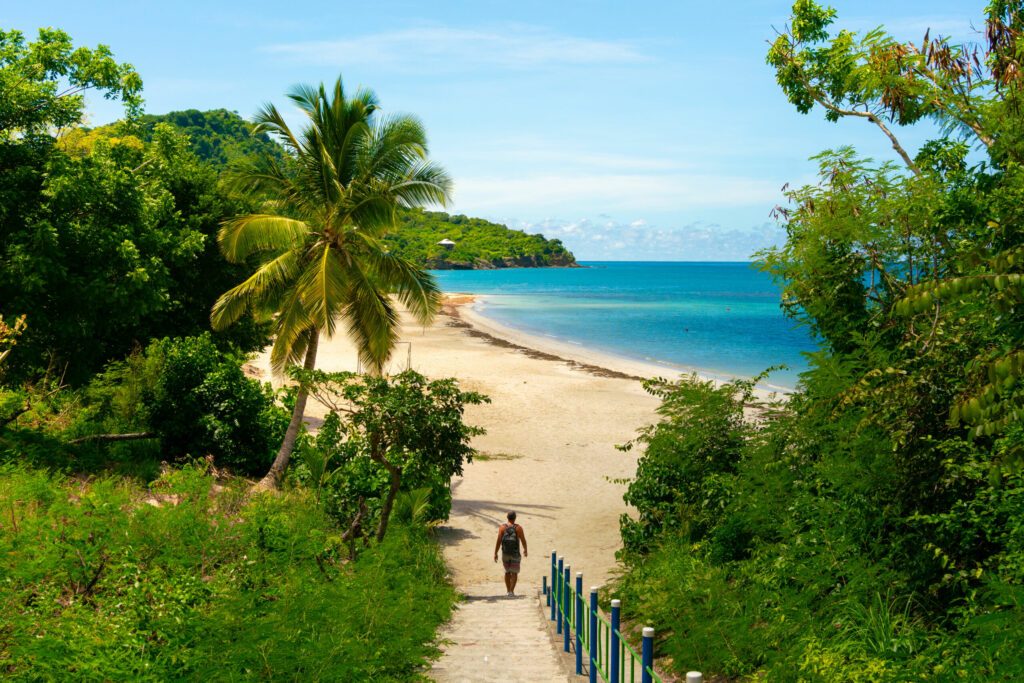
(721, 319)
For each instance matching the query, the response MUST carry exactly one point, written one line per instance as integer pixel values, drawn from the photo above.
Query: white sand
(549, 448)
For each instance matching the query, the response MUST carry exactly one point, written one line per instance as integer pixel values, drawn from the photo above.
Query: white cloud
(511, 46)
(610, 240)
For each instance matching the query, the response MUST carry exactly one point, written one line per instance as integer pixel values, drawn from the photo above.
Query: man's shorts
(511, 563)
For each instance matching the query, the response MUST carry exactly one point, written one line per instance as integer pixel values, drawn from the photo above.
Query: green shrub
(194, 398)
(416, 425)
(203, 403)
(683, 477)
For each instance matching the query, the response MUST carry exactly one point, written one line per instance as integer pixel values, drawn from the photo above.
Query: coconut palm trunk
(272, 479)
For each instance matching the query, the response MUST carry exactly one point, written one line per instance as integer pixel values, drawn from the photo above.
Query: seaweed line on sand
(452, 311)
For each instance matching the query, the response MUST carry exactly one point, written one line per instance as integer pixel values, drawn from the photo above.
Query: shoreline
(463, 310)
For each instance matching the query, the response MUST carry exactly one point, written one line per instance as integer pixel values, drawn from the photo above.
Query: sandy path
(549, 453)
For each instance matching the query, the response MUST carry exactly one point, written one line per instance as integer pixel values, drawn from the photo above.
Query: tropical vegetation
(188, 579)
(133, 546)
(872, 527)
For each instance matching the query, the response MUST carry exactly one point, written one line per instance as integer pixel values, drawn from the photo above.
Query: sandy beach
(549, 452)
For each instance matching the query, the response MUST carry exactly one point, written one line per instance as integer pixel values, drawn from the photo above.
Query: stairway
(495, 638)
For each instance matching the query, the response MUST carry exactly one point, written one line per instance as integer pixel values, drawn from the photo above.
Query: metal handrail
(580, 623)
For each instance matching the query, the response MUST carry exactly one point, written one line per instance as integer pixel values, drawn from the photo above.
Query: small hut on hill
(446, 243)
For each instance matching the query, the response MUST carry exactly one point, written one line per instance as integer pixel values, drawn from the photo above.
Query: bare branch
(133, 436)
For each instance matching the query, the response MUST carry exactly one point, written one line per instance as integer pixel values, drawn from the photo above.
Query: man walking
(509, 537)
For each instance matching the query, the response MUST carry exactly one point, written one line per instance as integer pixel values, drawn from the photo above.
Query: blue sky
(644, 130)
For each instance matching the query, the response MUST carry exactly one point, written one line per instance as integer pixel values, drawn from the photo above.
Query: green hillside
(478, 243)
(222, 137)
(218, 136)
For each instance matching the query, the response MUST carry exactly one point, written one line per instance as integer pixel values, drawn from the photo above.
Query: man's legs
(512, 582)
(509, 581)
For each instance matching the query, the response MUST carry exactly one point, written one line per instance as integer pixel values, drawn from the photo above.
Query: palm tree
(319, 242)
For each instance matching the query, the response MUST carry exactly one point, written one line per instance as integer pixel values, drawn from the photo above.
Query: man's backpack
(509, 540)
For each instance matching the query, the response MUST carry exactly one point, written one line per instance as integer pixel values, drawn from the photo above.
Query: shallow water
(722, 319)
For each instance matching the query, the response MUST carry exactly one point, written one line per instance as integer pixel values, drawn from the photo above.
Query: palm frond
(323, 288)
(307, 98)
(261, 175)
(232, 304)
(413, 286)
(290, 330)
(424, 184)
(371, 208)
(395, 143)
(372, 319)
(241, 237)
(269, 120)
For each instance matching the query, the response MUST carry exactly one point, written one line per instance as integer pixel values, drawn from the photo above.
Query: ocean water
(720, 319)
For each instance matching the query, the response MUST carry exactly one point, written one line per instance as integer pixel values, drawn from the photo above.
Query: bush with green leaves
(384, 435)
(194, 398)
(203, 403)
(689, 457)
(190, 580)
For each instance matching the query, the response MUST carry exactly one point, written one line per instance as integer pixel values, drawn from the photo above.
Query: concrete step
(495, 638)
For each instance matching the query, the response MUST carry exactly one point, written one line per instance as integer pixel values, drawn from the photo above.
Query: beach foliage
(870, 528)
(193, 398)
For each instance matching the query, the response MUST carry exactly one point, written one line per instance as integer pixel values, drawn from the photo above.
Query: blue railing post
(556, 606)
(613, 674)
(647, 656)
(566, 596)
(579, 623)
(592, 641)
(551, 600)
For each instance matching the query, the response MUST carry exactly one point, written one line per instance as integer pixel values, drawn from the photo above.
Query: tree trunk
(272, 480)
(396, 483)
(389, 502)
